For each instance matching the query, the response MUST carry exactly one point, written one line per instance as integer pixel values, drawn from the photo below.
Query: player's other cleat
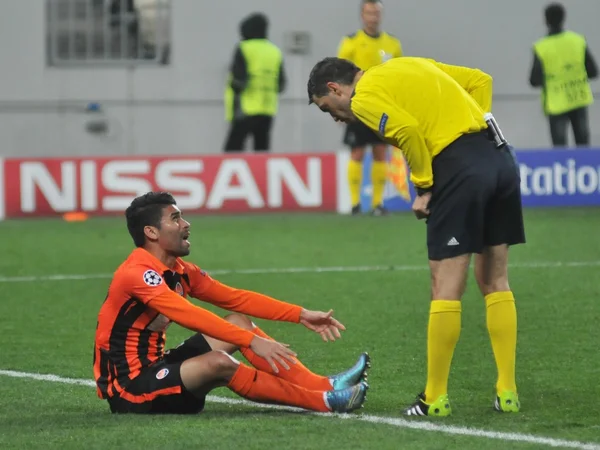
(356, 210)
(347, 400)
(507, 402)
(355, 374)
(440, 408)
(379, 210)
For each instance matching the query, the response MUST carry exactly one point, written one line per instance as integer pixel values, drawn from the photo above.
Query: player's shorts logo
(162, 373)
(151, 278)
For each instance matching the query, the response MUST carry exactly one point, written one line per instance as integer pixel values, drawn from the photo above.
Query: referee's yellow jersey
(367, 51)
(421, 106)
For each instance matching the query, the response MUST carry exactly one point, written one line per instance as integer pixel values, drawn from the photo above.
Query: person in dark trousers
(562, 67)
(256, 79)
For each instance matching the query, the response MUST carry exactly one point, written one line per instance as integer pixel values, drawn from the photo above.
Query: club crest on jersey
(152, 278)
(162, 373)
(385, 56)
(179, 288)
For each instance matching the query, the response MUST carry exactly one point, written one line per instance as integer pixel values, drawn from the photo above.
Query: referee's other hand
(421, 205)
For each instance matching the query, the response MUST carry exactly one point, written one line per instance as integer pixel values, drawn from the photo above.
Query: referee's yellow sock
(502, 327)
(354, 180)
(378, 179)
(442, 336)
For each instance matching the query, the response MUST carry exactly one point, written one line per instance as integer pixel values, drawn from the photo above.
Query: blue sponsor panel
(560, 177)
(549, 178)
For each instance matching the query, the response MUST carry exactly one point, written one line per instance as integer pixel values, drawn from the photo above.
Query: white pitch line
(293, 270)
(392, 421)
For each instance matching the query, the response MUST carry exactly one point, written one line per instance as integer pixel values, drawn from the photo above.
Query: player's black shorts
(158, 389)
(359, 135)
(476, 199)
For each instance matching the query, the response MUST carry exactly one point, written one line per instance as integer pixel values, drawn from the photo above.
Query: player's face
(336, 103)
(174, 232)
(371, 16)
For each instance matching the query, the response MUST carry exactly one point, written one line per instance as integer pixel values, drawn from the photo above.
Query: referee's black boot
(379, 210)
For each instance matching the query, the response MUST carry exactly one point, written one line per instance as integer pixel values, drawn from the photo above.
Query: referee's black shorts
(476, 199)
(359, 135)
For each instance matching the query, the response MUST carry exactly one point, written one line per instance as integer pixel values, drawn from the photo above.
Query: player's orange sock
(265, 388)
(502, 328)
(298, 373)
(442, 336)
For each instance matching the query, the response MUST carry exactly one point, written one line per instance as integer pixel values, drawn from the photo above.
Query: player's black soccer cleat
(379, 210)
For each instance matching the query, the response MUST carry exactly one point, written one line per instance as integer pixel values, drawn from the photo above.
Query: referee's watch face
(336, 102)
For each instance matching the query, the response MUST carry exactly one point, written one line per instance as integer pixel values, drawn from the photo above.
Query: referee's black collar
(374, 36)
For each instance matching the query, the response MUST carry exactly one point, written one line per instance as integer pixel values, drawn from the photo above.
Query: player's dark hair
(146, 210)
(366, 2)
(335, 70)
(555, 15)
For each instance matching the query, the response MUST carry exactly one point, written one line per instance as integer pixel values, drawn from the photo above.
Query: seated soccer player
(148, 292)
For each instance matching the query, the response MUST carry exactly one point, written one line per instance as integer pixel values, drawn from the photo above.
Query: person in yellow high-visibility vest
(255, 81)
(562, 67)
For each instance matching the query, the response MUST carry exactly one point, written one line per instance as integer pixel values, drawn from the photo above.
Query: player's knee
(240, 320)
(499, 284)
(357, 154)
(222, 364)
(448, 284)
(379, 153)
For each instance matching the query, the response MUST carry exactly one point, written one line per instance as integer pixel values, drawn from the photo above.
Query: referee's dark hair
(555, 15)
(146, 210)
(330, 70)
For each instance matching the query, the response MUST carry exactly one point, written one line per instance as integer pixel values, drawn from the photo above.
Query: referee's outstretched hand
(421, 205)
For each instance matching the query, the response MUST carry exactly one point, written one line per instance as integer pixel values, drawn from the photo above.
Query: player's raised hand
(273, 352)
(322, 323)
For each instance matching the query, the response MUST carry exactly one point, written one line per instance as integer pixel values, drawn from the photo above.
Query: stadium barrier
(549, 178)
(258, 182)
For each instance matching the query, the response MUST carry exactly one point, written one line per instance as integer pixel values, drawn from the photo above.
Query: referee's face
(371, 16)
(336, 103)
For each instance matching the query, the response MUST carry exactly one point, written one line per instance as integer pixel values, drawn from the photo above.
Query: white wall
(178, 108)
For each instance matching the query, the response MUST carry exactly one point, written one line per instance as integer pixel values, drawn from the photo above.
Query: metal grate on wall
(96, 32)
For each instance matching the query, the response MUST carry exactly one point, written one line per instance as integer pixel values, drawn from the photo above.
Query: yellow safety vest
(566, 85)
(261, 94)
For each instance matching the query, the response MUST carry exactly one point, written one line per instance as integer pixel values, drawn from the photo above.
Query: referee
(366, 48)
(467, 190)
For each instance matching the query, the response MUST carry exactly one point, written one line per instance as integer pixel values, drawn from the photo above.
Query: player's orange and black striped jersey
(145, 296)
